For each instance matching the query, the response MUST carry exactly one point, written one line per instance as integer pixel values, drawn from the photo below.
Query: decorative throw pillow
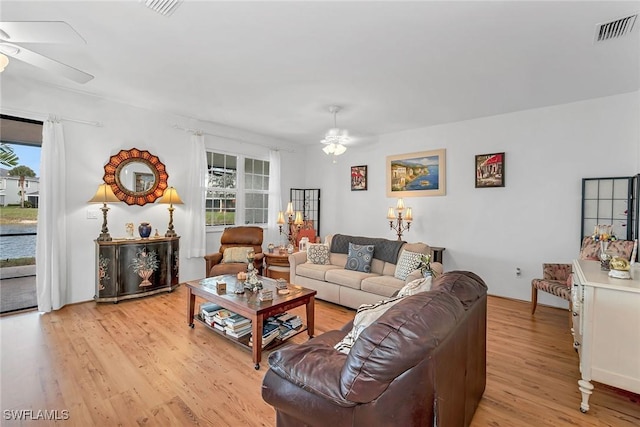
(318, 253)
(359, 258)
(236, 254)
(422, 284)
(365, 316)
(407, 262)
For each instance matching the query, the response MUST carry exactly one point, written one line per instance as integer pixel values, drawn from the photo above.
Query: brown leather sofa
(422, 363)
(242, 236)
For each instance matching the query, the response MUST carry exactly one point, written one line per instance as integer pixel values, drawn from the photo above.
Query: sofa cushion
(385, 286)
(314, 271)
(236, 254)
(359, 258)
(407, 262)
(351, 279)
(365, 316)
(317, 253)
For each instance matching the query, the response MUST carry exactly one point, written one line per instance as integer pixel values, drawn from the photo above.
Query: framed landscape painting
(490, 170)
(358, 178)
(416, 174)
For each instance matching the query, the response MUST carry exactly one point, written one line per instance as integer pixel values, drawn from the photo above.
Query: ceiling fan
(15, 32)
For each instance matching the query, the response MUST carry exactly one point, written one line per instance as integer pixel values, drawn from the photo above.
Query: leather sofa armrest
(314, 367)
(211, 260)
(295, 259)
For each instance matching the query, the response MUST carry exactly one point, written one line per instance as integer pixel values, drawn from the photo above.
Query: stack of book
(220, 317)
(270, 332)
(208, 311)
(237, 326)
(288, 324)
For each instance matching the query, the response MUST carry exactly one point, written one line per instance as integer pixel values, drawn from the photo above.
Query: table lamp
(170, 197)
(104, 195)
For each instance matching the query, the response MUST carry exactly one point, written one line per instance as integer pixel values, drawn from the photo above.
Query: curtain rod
(47, 116)
(201, 132)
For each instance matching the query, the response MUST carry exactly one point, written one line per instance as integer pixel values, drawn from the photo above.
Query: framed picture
(358, 178)
(144, 181)
(490, 170)
(416, 174)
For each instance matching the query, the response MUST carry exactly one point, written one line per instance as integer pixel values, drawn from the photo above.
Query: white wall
(88, 149)
(491, 231)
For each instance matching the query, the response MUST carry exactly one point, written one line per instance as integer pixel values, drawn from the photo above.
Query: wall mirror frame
(136, 177)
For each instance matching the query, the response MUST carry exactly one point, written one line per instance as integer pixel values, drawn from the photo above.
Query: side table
(276, 265)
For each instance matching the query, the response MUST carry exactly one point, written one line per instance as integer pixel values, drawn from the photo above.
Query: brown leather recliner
(422, 363)
(242, 236)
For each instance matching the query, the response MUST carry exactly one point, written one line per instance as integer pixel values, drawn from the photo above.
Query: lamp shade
(170, 196)
(104, 195)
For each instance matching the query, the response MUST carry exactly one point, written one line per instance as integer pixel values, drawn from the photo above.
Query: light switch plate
(92, 214)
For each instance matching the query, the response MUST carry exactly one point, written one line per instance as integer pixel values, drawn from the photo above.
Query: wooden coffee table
(248, 305)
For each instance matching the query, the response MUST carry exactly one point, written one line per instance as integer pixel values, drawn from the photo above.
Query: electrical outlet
(518, 272)
(92, 214)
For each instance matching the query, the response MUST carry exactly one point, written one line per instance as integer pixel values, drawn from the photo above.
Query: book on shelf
(209, 308)
(237, 319)
(239, 333)
(267, 339)
(221, 316)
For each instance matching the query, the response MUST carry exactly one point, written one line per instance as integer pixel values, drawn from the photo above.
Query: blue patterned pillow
(359, 258)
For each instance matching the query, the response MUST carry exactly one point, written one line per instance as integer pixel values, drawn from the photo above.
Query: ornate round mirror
(136, 177)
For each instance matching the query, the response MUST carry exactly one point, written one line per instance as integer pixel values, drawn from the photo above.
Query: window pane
(248, 165)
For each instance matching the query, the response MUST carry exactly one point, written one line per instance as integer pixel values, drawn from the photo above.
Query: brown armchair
(243, 236)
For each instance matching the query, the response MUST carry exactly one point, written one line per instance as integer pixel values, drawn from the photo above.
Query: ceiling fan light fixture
(335, 138)
(4, 61)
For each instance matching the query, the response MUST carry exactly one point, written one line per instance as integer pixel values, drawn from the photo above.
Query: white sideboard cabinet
(606, 328)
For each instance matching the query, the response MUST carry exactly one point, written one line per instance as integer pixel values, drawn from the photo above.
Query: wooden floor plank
(138, 363)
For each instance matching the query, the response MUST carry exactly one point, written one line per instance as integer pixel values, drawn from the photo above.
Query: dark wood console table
(437, 253)
(135, 268)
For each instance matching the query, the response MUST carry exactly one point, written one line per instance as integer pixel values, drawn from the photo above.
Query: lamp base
(170, 233)
(104, 237)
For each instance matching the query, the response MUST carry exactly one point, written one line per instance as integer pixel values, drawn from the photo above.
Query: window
(238, 190)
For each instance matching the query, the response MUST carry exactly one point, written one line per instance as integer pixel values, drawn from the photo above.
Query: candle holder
(293, 225)
(397, 222)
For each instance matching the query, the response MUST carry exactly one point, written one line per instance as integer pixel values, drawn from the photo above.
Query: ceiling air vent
(163, 7)
(615, 29)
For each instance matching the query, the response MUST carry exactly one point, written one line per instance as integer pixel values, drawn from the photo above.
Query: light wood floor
(137, 363)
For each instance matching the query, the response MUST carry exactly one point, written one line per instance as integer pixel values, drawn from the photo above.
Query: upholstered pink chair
(556, 278)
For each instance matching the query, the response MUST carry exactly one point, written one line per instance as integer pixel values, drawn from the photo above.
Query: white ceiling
(275, 67)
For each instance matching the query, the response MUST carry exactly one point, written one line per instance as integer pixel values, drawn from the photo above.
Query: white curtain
(51, 241)
(195, 237)
(275, 196)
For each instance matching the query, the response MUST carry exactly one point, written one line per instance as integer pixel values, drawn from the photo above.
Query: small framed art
(490, 170)
(358, 178)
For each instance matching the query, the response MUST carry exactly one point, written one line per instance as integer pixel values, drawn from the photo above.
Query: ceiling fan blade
(33, 58)
(39, 32)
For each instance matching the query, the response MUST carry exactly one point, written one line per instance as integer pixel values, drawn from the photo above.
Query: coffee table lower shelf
(244, 341)
(249, 306)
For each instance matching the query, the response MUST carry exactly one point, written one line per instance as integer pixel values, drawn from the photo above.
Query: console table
(135, 268)
(606, 328)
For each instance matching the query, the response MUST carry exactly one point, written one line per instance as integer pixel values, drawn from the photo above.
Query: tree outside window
(238, 190)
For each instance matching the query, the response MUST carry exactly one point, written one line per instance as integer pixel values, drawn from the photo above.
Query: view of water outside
(12, 247)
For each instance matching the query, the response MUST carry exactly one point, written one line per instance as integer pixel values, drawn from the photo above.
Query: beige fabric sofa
(352, 288)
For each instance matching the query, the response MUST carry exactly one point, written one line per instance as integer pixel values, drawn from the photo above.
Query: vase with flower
(604, 235)
(425, 266)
